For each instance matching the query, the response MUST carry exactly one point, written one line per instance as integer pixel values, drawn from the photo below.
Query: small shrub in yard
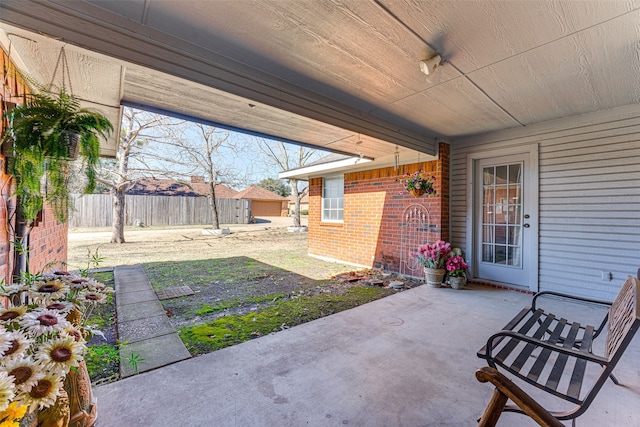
(234, 329)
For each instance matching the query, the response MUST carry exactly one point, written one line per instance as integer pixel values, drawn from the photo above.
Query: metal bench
(553, 354)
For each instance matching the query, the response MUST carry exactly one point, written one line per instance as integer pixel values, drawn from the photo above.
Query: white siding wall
(589, 197)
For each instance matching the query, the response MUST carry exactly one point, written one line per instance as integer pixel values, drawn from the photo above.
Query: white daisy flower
(7, 390)
(42, 322)
(61, 354)
(26, 373)
(43, 393)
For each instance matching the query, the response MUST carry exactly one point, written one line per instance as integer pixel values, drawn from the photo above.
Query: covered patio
(555, 82)
(405, 360)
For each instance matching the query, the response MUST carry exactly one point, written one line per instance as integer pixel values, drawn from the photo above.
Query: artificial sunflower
(7, 390)
(91, 297)
(43, 394)
(61, 354)
(26, 372)
(13, 313)
(42, 321)
(45, 292)
(73, 332)
(19, 343)
(62, 307)
(13, 289)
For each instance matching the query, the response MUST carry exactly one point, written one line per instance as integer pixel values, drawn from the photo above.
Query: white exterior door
(504, 228)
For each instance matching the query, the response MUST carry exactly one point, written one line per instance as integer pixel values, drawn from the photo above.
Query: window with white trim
(333, 199)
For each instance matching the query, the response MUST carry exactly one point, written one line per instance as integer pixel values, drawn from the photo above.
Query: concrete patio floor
(406, 360)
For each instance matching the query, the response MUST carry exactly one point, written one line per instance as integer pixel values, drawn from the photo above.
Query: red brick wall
(374, 202)
(48, 242)
(49, 238)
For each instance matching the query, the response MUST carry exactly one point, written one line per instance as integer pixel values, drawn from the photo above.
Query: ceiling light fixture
(429, 66)
(432, 68)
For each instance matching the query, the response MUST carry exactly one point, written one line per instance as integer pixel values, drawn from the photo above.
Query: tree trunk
(117, 235)
(213, 206)
(296, 197)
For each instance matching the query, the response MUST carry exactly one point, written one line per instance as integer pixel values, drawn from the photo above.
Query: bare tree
(132, 161)
(286, 157)
(204, 151)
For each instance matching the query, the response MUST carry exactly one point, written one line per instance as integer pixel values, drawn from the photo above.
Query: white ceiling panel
(559, 80)
(330, 72)
(453, 108)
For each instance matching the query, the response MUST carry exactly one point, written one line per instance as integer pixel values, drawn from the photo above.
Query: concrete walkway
(143, 324)
(405, 360)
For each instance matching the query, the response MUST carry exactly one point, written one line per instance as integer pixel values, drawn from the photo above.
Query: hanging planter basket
(417, 192)
(72, 143)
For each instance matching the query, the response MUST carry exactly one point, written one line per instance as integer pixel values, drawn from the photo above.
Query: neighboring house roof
(258, 193)
(170, 187)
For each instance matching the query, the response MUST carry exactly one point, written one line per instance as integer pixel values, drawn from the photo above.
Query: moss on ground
(230, 330)
(224, 305)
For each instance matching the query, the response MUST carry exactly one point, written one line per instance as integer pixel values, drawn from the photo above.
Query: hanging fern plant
(45, 134)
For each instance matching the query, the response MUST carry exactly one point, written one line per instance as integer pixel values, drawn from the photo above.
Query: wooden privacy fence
(95, 210)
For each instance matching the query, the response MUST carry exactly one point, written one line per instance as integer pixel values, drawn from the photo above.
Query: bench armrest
(544, 344)
(558, 294)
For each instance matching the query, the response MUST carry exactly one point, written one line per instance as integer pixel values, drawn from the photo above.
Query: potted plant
(41, 139)
(457, 269)
(433, 258)
(43, 136)
(419, 183)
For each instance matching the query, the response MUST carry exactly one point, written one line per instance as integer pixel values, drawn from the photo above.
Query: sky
(240, 156)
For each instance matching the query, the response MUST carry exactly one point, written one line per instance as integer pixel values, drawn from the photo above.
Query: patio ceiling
(329, 73)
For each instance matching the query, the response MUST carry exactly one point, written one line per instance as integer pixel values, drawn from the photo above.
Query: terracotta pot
(434, 276)
(417, 192)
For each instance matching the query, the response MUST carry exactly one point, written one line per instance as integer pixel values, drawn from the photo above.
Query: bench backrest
(624, 319)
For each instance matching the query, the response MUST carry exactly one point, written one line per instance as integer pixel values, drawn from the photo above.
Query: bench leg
(494, 409)
(614, 379)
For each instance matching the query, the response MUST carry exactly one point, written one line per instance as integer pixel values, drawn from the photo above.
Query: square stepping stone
(180, 291)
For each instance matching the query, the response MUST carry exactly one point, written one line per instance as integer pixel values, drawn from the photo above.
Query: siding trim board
(588, 195)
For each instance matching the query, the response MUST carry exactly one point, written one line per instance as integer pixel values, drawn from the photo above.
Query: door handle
(526, 225)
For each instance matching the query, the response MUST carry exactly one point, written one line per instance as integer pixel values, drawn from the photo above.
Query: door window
(502, 215)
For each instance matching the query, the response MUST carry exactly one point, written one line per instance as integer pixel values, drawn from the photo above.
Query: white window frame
(336, 203)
